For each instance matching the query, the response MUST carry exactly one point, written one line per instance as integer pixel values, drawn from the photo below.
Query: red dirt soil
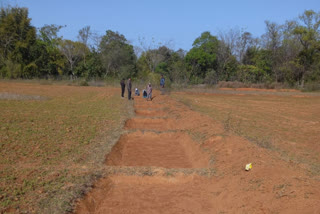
(259, 89)
(169, 150)
(159, 124)
(272, 186)
(150, 113)
(131, 194)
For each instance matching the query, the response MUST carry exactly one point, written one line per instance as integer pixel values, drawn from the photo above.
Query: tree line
(286, 53)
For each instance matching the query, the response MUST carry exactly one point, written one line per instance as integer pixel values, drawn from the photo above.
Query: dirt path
(180, 145)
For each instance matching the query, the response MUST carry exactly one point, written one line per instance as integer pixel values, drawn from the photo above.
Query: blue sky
(178, 21)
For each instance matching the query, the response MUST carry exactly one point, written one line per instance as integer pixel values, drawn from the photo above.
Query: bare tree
(228, 49)
(151, 55)
(84, 35)
(236, 42)
(230, 39)
(272, 42)
(291, 45)
(245, 41)
(72, 51)
(138, 51)
(49, 33)
(273, 36)
(154, 52)
(96, 40)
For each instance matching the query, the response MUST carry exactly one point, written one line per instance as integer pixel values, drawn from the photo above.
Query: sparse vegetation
(52, 148)
(273, 121)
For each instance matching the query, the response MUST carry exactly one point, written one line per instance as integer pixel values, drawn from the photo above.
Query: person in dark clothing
(144, 93)
(129, 87)
(123, 86)
(162, 80)
(137, 92)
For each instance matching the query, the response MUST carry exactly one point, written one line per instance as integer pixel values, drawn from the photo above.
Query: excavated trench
(154, 140)
(145, 195)
(156, 167)
(151, 113)
(168, 150)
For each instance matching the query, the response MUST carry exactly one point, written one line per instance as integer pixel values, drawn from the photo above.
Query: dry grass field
(286, 122)
(52, 142)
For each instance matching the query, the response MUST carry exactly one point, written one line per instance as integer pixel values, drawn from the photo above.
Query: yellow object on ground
(248, 166)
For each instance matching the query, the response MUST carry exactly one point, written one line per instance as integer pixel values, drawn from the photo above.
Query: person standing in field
(162, 80)
(129, 87)
(123, 86)
(149, 92)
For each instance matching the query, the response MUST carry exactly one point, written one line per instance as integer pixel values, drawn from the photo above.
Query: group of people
(147, 93)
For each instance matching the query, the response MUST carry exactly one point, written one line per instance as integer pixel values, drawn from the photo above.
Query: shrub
(31, 70)
(11, 69)
(229, 84)
(83, 83)
(312, 86)
(211, 77)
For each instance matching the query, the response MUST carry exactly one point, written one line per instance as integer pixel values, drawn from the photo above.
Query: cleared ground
(132, 194)
(152, 113)
(171, 144)
(183, 153)
(169, 150)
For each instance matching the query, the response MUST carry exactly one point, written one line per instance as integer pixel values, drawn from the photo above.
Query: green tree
(203, 55)
(117, 55)
(251, 74)
(288, 53)
(143, 67)
(48, 58)
(308, 35)
(227, 64)
(177, 68)
(259, 63)
(94, 66)
(17, 36)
